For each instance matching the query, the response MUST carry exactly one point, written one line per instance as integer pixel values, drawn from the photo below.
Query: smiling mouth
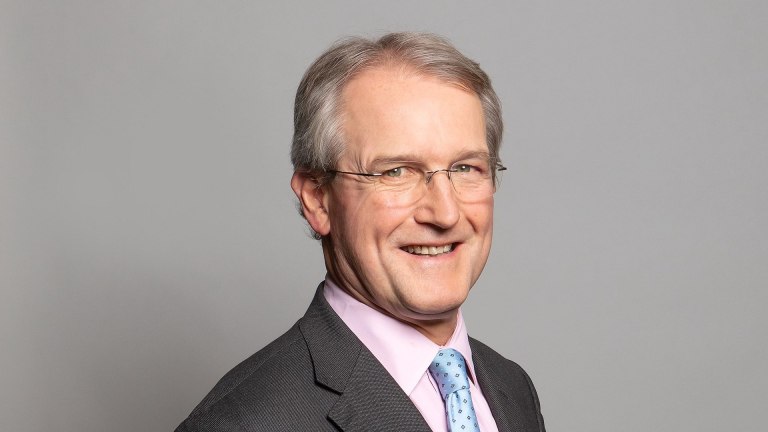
(428, 250)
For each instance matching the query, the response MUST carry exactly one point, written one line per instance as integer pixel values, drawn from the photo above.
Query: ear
(313, 200)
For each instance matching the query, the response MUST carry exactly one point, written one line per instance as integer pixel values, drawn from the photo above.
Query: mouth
(428, 250)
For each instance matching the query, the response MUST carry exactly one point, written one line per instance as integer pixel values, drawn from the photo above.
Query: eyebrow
(381, 160)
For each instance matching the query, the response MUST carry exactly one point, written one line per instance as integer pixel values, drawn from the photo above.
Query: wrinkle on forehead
(381, 106)
(418, 159)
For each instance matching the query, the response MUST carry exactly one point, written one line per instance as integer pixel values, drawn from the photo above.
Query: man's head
(318, 138)
(369, 115)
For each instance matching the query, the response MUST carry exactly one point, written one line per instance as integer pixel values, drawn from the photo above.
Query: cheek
(383, 217)
(480, 216)
(347, 211)
(387, 201)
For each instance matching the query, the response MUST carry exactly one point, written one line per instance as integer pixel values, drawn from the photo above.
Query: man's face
(391, 114)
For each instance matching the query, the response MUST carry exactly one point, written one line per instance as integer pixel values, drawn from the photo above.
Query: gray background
(149, 242)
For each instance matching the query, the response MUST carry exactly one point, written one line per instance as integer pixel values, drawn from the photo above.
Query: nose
(429, 174)
(438, 206)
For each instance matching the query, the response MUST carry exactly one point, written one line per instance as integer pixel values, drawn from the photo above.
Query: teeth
(429, 250)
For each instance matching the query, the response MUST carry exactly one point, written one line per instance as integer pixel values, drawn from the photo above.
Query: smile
(428, 250)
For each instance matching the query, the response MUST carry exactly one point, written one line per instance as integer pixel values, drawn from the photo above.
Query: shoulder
(250, 368)
(282, 370)
(499, 374)
(501, 366)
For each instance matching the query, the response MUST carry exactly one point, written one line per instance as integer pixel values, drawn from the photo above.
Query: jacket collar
(369, 398)
(506, 410)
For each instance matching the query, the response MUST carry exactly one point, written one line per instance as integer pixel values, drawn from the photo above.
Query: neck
(438, 331)
(438, 328)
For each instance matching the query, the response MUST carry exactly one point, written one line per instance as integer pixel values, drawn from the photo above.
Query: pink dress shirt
(406, 354)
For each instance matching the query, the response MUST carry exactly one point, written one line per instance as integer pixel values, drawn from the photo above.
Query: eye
(394, 172)
(464, 168)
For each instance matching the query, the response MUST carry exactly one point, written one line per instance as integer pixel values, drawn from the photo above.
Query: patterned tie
(449, 372)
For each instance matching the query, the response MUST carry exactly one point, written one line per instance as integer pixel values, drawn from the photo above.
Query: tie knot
(449, 371)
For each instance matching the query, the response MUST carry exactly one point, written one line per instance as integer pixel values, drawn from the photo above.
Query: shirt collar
(401, 349)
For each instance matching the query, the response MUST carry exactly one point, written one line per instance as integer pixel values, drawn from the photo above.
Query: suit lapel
(372, 401)
(369, 398)
(506, 411)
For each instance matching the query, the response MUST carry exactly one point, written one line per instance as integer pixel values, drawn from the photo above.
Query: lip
(453, 247)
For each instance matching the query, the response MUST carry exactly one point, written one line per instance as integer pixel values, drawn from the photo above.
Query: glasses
(473, 180)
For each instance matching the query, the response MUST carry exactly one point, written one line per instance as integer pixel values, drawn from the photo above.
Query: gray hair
(317, 137)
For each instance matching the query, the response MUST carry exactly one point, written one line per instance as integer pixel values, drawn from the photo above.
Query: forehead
(393, 111)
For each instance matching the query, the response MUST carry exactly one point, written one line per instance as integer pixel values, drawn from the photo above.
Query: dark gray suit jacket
(318, 376)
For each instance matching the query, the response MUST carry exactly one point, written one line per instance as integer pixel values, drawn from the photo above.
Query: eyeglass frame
(427, 174)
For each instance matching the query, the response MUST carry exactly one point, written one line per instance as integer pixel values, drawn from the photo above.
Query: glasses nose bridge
(429, 174)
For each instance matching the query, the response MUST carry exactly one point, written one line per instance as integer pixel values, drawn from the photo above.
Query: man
(395, 153)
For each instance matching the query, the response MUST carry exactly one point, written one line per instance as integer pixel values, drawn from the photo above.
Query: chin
(437, 304)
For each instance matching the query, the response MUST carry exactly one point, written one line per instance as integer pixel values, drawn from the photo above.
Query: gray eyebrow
(412, 158)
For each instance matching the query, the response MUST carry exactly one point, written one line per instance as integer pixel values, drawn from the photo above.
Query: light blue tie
(450, 374)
